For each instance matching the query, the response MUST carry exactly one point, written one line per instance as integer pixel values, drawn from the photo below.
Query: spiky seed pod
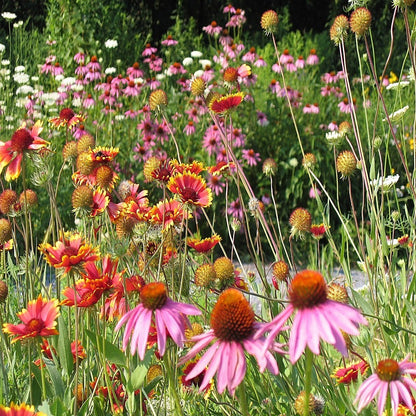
(82, 197)
(198, 86)
(5, 230)
(154, 371)
(69, 152)
(85, 142)
(309, 161)
(339, 29)
(30, 197)
(300, 403)
(346, 163)
(224, 270)
(269, 167)
(125, 226)
(195, 329)
(269, 21)
(7, 200)
(337, 292)
(157, 100)
(104, 176)
(344, 128)
(280, 270)
(85, 164)
(360, 21)
(205, 275)
(150, 166)
(300, 220)
(4, 291)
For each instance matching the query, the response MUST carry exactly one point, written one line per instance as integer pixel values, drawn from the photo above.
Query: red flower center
(189, 194)
(21, 140)
(232, 318)
(66, 114)
(35, 325)
(308, 289)
(388, 370)
(153, 295)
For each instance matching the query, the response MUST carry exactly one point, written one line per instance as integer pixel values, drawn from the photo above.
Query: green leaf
(56, 378)
(64, 347)
(111, 352)
(138, 376)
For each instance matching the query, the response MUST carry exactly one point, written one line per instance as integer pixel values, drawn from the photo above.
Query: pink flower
(155, 307)
(316, 317)
(232, 329)
(149, 50)
(251, 157)
(250, 56)
(330, 77)
(79, 57)
(213, 29)
(169, 41)
(333, 126)
(134, 71)
(290, 66)
(388, 381)
(235, 209)
(312, 59)
(285, 57)
(313, 192)
(262, 119)
(189, 128)
(300, 63)
(345, 107)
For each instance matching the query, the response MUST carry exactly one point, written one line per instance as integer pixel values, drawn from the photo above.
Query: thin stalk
(42, 372)
(242, 399)
(308, 380)
(172, 384)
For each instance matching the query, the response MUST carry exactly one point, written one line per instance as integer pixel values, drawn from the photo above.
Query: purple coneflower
(168, 316)
(232, 332)
(316, 317)
(388, 381)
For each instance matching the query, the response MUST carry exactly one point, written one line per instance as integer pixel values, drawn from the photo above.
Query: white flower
(2, 48)
(196, 54)
(397, 85)
(34, 78)
(25, 89)
(9, 118)
(397, 115)
(111, 44)
(59, 77)
(333, 137)
(293, 162)
(385, 183)
(187, 61)
(119, 117)
(21, 78)
(50, 98)
(159, 77)
(199, 73)
(8, 16)
(5, 62)
(76, 102)
(68, 81)
(205, 62)
(77, 87)
(18, 24)
(110, 70)
(19, 68)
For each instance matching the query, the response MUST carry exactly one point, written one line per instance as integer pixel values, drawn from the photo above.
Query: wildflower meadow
(211, 223)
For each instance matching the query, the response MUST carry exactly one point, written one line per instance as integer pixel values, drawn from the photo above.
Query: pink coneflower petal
(403, 392)
(161, 332)
(214, 355)
(141, 333)
(382, 395)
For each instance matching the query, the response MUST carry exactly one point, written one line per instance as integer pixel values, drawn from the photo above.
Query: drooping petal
(298, 338)
(14, 168)
(382, 396)
(160, 331)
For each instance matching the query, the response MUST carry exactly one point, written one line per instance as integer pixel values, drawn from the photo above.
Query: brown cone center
(308, 289)
(232, 318)
(388, 370)
(153, 295)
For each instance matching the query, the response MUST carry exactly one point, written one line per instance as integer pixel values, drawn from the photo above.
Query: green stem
(42, 372)
(308, 380)
(242, 399)
(172, 384)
